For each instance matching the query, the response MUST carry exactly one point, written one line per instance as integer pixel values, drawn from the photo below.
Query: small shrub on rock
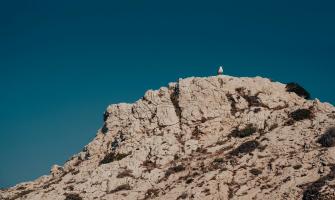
(184, 195)
(151, 193)
(149, 165)
(301, 114)
(218, 160)
(104, 129)
(245, 132)
(189, 181)
(115, 145)
(218, 163)
(296, 88)
(253, 100)
(22, 194)
(121, 188)
(245, 148)
(255, 172)
(233, 103)
(314, 190)
(273, 126)
(289, 122)
(125, 173)
(296, 167)
(106, 115)
(328, 138)
(118, 139)
(72, 197)
(174, 170)
(111, 157)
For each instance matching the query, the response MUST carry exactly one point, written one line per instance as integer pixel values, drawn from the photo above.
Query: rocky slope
(203, 138)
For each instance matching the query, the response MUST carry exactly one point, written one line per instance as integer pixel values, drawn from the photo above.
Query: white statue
(220, 71)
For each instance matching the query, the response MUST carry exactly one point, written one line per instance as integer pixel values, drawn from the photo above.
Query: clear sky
(63, 62)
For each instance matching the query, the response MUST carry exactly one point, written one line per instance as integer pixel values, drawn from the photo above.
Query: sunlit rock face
(202, 138)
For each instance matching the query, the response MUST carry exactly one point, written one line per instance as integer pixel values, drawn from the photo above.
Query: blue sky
(62, 62)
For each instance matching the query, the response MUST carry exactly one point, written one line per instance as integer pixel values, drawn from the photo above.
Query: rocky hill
(203, 138)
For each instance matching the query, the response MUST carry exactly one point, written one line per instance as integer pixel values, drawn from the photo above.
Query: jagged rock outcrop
(202, 138)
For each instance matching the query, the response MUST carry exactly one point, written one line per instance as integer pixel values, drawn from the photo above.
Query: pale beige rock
(178, 142)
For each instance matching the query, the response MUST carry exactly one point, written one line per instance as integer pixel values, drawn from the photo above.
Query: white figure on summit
(220, 71)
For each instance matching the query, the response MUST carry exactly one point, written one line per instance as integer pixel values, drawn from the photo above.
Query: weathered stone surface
(201, 138)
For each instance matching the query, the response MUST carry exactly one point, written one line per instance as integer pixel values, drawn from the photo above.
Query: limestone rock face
(202, 138)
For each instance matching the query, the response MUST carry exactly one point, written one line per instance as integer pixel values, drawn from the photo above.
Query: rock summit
(217, 137)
